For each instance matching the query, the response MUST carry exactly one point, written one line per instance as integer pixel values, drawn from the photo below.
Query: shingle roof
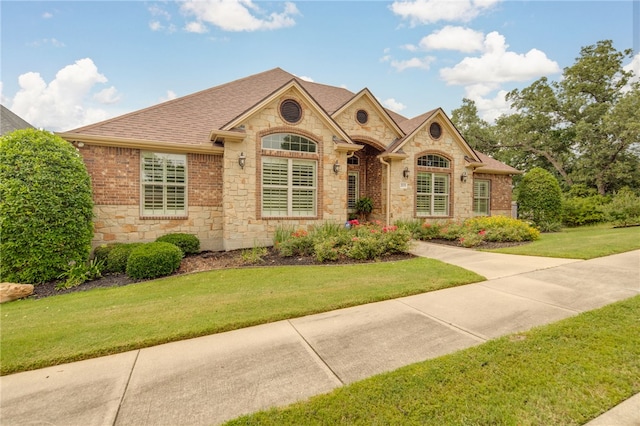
(190, 119)
(9, 121)
(494, 166)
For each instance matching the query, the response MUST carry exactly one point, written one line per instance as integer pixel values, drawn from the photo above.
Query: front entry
(364, 179)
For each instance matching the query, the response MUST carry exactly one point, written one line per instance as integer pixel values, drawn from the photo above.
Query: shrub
(579, 211)
(188, 243)
(253, 255)
(101, 252)
(153, 260)
(624, 209)
(118, 256)
(299, 243)
(46, 209)
(502, 229)
(78, 273)
(540, 197)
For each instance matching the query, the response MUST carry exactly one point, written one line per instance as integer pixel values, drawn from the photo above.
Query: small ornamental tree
(540, 198)
(46, 207)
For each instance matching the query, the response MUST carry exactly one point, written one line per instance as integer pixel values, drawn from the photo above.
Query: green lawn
(75, 326)
(561, 374)
(586, 242)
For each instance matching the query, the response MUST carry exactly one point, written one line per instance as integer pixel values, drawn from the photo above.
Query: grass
(580, 243)
(565, 373)
(76, 326)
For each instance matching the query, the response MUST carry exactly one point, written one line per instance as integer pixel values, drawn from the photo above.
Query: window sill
(164, 217)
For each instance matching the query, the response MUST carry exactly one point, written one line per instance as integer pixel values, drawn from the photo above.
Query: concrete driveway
(215, 378)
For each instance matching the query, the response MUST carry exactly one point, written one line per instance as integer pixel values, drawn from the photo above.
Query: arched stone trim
(369, 140)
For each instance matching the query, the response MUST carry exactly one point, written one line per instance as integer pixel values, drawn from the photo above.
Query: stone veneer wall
(403, 190)
(244, 225)
(115, 175)
(501, 193)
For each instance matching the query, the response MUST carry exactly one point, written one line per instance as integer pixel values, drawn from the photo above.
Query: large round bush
(45, 206)
(540, 198)
(153, 260)
(188, 243)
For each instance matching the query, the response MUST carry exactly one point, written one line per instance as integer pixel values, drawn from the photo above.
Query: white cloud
(196, 27)
(47, 15)
(239, 15)
(497, 65)
(489, 108)
(169, 96)
(634, 66)
(420, 63)
(62, 104)
(454, 38)
(393, 105)
(305, 78)
(431, 11)
(107, 96)
(409, 47)
(156, 26)
(47, 41)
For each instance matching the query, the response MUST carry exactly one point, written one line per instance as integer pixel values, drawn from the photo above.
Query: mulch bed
(208, 260)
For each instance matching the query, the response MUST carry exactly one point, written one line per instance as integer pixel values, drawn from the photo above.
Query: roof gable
(9, 121)
(365, 94)
(418, 124)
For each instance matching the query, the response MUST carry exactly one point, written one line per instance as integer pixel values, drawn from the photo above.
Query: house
(9, 121)
(232, 163)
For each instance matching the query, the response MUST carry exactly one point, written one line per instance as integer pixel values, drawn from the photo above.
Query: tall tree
(589, 95)
(536, 131)
(477, 132)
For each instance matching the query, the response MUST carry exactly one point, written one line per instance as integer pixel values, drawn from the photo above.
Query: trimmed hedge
(118, 256)
(154, 260)
(188, 243)
(540, 198)
(46, 207)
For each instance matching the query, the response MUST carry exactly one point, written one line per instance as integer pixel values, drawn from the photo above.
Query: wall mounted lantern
(242, 160)
(405, 173)
(336, 167)
(463, 177)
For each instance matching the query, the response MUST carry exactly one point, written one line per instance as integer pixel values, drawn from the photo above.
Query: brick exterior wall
(501, 189)
(115, 176)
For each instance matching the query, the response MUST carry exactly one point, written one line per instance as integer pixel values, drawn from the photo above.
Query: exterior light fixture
(405, 173)
(336, 167)
(242, 160)
(463, 177)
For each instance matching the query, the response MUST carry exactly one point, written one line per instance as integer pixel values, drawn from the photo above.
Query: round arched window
(435, 130)
(291, 111)
(362, 116)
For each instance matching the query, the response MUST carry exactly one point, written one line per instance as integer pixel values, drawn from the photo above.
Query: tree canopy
(584, 128)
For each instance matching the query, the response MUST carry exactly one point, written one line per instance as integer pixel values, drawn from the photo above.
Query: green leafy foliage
(540, 197)
(78, 273)
(118, 256)
(152, 260)
(473, 232)
(46, 207)
(330, 242)
(188, 243)
(624, 209)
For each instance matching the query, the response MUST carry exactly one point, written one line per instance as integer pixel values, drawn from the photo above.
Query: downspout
(388, 209)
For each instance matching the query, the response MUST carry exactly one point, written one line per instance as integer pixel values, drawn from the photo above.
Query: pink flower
(354, 222)
(354, 239)
(482, 233)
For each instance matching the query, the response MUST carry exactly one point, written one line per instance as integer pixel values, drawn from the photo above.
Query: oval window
(362, 116)
(435, 130)
(291, 111)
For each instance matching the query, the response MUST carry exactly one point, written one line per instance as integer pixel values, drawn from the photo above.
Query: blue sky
(67, 64)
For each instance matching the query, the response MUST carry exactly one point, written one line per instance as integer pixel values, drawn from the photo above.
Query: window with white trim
(481, 197)
(353, 184)
(432, 194)
(163, 184)
(288, 187)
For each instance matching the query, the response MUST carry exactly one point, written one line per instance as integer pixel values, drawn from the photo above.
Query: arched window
(288, 142)
(433, 160)
(289, 184)
(433, 187)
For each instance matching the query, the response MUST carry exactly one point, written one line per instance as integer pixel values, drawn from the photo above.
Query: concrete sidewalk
(215, 378)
